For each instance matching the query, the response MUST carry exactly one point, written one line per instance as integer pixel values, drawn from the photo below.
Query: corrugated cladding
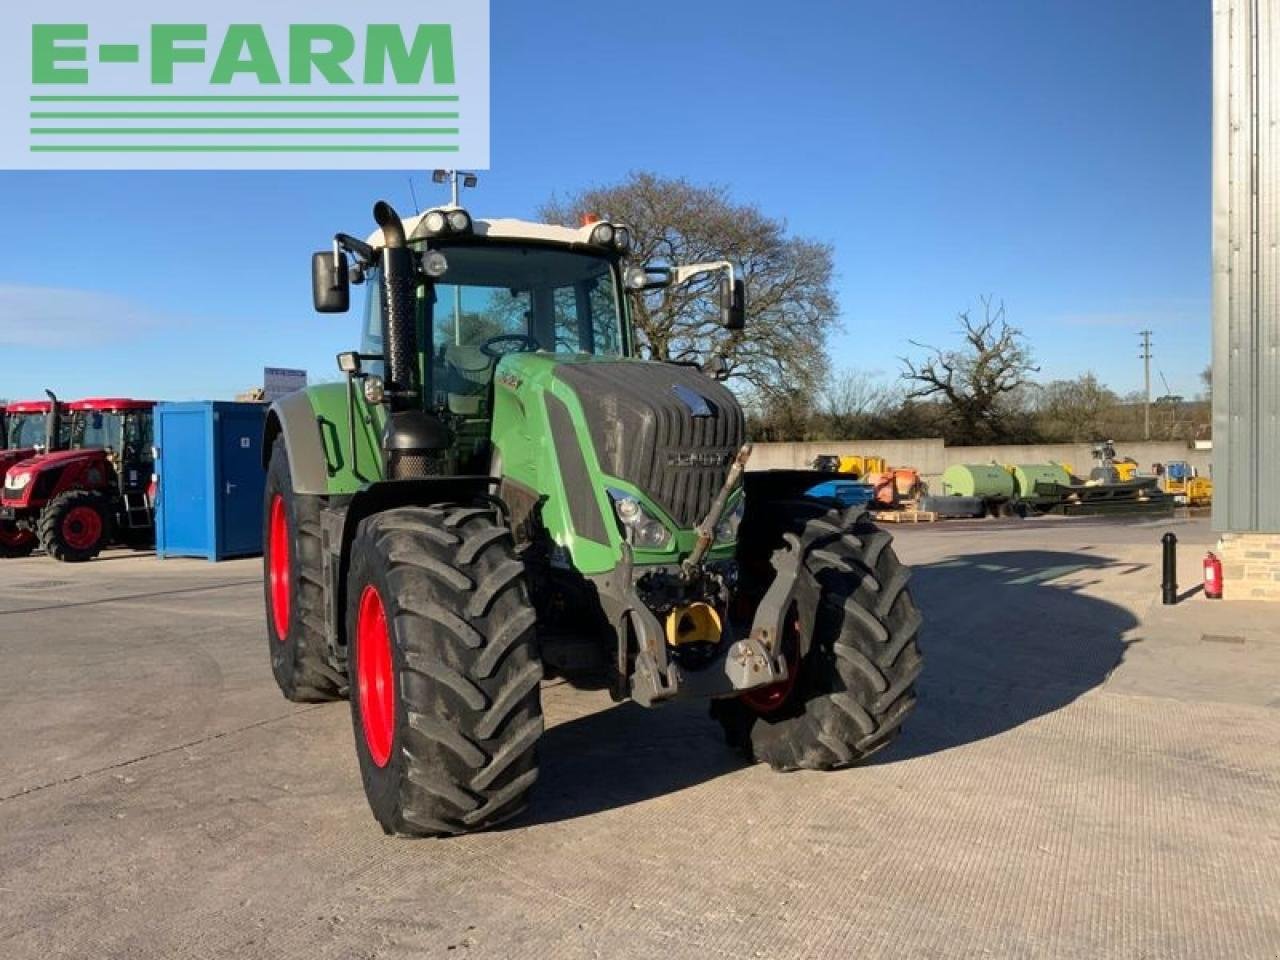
(1246, 265)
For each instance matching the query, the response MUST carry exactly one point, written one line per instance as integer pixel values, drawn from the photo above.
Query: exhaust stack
(416, 443)
(52, 422)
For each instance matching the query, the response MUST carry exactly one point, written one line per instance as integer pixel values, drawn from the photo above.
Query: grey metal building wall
(1246, 265)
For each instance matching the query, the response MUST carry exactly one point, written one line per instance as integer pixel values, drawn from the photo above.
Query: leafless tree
(977, 379)
(791, 303)
(1076, 411)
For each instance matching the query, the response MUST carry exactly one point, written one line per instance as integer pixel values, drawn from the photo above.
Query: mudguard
(293, 418)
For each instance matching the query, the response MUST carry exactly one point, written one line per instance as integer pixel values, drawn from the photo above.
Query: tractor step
(137, 512)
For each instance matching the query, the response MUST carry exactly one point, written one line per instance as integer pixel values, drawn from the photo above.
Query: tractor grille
(669, 430)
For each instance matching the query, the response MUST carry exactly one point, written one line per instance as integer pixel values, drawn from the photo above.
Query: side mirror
(330, 282)
(733, 303)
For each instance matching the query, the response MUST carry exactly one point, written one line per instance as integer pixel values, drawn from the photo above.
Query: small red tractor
(76, 501)
(25, 429)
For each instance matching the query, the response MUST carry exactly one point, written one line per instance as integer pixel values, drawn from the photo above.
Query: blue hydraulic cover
(210, 479)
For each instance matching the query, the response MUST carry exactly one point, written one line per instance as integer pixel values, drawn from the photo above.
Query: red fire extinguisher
(1212, 576)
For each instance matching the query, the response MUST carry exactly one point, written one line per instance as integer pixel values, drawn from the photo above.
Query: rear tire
(294, 589)
(445, 670)
(855, 685)
(74, 526)
(14, 541)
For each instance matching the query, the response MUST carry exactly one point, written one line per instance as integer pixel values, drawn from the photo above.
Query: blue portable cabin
(209, 479)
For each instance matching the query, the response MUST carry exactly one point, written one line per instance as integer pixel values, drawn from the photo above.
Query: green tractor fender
(293, 418)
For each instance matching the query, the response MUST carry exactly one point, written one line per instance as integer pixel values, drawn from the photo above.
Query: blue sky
(1054, 154)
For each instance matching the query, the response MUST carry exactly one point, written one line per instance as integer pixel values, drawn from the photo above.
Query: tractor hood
(9, 458)
(59, 458)
(670, 431)
(663, 432)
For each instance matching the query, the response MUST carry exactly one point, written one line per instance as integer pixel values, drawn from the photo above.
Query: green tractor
(501, 488)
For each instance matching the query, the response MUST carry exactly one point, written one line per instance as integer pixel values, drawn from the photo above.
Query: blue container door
(184, 474)
(242, 479)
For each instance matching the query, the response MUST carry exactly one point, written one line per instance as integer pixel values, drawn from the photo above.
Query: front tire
(74, 526)
(445, 670)
(855, 686)
(294, 588)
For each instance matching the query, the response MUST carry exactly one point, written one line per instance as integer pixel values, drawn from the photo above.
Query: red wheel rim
(375, 680)
(278, 566)
(81, 528)
(768, 699)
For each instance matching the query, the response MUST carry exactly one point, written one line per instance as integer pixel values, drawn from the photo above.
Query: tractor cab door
(137, 457)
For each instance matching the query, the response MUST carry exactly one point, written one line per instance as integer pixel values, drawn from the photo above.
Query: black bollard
(1170, 568)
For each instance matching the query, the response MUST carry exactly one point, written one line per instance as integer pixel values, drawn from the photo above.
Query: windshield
(94, 428)
(562, 302)
(25, 430)
(126, 434)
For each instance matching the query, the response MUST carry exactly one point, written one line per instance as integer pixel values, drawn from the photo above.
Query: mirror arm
(683, 274)
(364, 253)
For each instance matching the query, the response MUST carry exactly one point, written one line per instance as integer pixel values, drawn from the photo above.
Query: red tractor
(74, 502)
(25, 429)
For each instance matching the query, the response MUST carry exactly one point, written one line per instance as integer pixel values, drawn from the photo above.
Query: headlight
(434, 264)
(459, 221)
(602, 234)
(643, 529)
(17, 481)
(435, 222)
(727, 528)
(622, 239)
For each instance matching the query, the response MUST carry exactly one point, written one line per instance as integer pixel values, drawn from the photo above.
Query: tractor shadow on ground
(1008, 637)
(625, 754)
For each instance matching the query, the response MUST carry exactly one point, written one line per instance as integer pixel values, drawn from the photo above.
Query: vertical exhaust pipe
(399, 332)
(416, 443)
(52, 423)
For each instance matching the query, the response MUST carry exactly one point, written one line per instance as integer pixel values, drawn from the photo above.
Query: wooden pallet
(906, 516)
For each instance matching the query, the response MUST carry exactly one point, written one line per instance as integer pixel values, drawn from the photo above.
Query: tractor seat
(467, 375)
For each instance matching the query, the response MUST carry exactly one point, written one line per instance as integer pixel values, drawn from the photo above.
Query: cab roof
(499, 229)
(110, 404)
(27, 406)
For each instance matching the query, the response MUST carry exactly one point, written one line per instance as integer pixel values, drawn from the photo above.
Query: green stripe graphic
(263, 98)
(212, 131)
(235, 115)
(242, 148)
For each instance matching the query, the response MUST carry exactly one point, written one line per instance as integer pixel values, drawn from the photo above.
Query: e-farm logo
(408, 87)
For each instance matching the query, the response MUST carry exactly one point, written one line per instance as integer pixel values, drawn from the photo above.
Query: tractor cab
(26, 427)
(78, 500)
(122, 429)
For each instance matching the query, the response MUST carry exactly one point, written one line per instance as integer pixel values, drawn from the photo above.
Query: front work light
(642, 528)
(602, 235)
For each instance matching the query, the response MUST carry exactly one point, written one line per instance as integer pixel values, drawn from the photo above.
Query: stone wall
(1250, 566)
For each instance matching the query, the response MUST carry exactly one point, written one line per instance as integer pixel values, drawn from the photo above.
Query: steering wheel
(522, 343)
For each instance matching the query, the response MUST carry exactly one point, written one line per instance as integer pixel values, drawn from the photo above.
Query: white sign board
(278, 381)
(242, 84)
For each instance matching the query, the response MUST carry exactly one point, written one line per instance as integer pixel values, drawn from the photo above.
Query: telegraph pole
(1145, 357)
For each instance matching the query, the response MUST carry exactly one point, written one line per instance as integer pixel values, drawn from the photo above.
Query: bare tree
(977, 380)
(1076, 411)
(791, 302)
(849, 403)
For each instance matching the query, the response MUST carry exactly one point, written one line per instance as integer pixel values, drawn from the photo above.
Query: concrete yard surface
(1088, 774)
